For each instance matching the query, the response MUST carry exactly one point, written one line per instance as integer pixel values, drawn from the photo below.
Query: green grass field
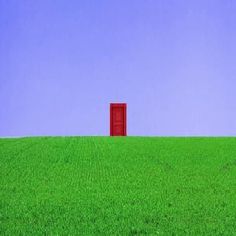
(118, 186)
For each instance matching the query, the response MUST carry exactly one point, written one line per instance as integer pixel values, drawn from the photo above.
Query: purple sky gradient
(172, 61)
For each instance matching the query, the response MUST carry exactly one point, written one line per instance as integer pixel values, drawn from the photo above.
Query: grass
(118, 186)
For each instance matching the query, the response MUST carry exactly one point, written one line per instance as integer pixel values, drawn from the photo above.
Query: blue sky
(172, 61)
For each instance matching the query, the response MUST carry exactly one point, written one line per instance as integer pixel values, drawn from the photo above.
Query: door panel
(118, 114)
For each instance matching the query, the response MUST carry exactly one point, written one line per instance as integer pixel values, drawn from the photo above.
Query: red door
(118, 119)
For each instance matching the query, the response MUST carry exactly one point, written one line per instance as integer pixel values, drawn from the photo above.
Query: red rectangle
(118, 119)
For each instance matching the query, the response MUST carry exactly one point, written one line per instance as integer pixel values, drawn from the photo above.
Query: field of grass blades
(118, 186)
